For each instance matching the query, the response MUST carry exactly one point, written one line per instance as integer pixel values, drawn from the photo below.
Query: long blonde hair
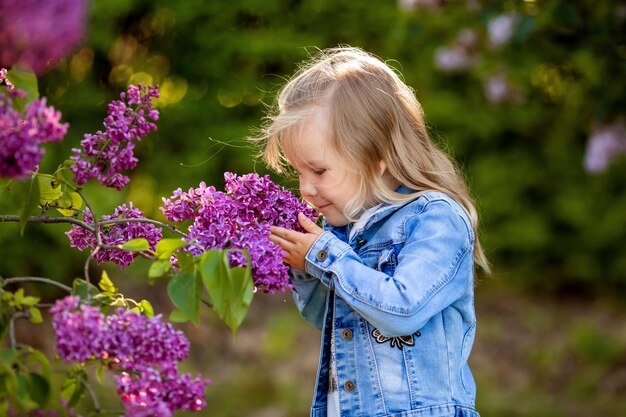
(372, 115)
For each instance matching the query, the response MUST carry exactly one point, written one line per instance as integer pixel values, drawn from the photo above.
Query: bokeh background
(528, 95)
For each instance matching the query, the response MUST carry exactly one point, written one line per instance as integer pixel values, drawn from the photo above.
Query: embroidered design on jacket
(398, 341)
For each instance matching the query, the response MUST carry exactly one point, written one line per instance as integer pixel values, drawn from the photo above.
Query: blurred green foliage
(516, 115)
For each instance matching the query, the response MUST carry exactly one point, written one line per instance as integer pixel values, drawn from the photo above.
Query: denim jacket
(398, 300)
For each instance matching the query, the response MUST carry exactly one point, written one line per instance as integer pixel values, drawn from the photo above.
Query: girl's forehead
(307, 143)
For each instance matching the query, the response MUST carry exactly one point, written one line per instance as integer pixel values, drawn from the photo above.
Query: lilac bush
(115, 234)
(105, 154)
(143, 352)
(240, 218)
(37, 33)
(22, 133)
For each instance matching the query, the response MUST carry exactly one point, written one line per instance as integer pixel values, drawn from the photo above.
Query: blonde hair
(372, 115)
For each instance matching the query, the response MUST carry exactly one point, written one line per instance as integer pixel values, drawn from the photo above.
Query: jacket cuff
(321, 256)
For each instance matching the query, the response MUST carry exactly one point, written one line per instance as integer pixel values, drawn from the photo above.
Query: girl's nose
(307, 189)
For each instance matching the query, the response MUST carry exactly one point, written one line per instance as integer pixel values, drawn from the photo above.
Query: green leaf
(79, 287)
(35, 315)
(100, 373)
(25, 81)
(230, 289)
(72, 388)
(185, 261)
(31, 201)
(139, 244)
(213, 272)
(177, 316)
(158, 268)
(185, 291)
(38, 388)
(69, 201)
(106, 284)
(49, 189)
(146, 308)
(166, 248)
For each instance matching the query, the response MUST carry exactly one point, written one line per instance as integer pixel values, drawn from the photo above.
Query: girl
(389, 278)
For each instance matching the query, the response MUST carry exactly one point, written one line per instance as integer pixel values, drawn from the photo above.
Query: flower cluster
(114, 234)
(607, 142)
(23, 133)
(38, 33)
(240, 218)
(107, 153)
(142, 352)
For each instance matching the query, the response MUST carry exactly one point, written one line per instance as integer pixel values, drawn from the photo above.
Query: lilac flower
(23, 133)
(240, 218)
(606, 143)
(142, 353)
(115, 234)
(37, 33)
(500, 29)
(136, 340)
(461, 55)
(410, 5)
(5, 80)
(154, 393)
(78, 330)
(105, 154)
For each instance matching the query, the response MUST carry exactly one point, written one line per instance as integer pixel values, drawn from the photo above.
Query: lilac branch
(8, 281)
(144, 220)
(46, 219)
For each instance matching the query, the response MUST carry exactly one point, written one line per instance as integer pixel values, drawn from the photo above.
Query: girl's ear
(382, 166)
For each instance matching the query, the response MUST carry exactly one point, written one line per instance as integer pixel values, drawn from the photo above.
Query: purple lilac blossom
(37, 33)
(142, 353)
(240, 218)
(5, 80)
(23, 133)
(115, 234)
(606, 143)
(105, 154)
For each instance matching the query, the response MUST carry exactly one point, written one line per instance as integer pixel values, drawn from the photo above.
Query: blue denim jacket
(398, 300)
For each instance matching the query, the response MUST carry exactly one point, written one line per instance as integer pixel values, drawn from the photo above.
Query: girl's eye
(319, 172)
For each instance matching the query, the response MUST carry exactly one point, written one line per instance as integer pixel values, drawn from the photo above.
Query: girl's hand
(295, 245)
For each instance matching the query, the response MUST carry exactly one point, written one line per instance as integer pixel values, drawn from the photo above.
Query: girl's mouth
(322, 207)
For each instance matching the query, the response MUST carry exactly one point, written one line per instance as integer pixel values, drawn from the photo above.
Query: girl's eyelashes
(319, 172)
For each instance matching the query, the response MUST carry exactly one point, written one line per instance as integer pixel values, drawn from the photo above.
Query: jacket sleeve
(434, 269)
(310, 296)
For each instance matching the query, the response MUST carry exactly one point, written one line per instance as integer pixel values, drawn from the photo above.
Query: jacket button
(346, 334)
(349, 386)
(321, 255)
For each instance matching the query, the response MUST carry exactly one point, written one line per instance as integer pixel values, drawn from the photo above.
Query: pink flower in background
(500, 29)
(606, 143)
(461, 55)
(37, 33)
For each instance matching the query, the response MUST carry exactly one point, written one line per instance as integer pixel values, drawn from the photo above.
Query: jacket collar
(383, 211)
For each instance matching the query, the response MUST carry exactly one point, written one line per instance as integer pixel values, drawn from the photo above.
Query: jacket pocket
(466, 376)
(386, 261)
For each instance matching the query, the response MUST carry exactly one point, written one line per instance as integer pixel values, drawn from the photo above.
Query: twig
(92, 393)
(143, 220)
(46, 219)
(86, 270)
(18, 315)
(34, 279)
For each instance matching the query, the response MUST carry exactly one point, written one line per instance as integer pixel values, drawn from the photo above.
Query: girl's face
(325, 182)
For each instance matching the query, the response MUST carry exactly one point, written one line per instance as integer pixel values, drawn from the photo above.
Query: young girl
(389, 278)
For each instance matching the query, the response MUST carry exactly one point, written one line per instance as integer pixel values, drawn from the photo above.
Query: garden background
(516, 91)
